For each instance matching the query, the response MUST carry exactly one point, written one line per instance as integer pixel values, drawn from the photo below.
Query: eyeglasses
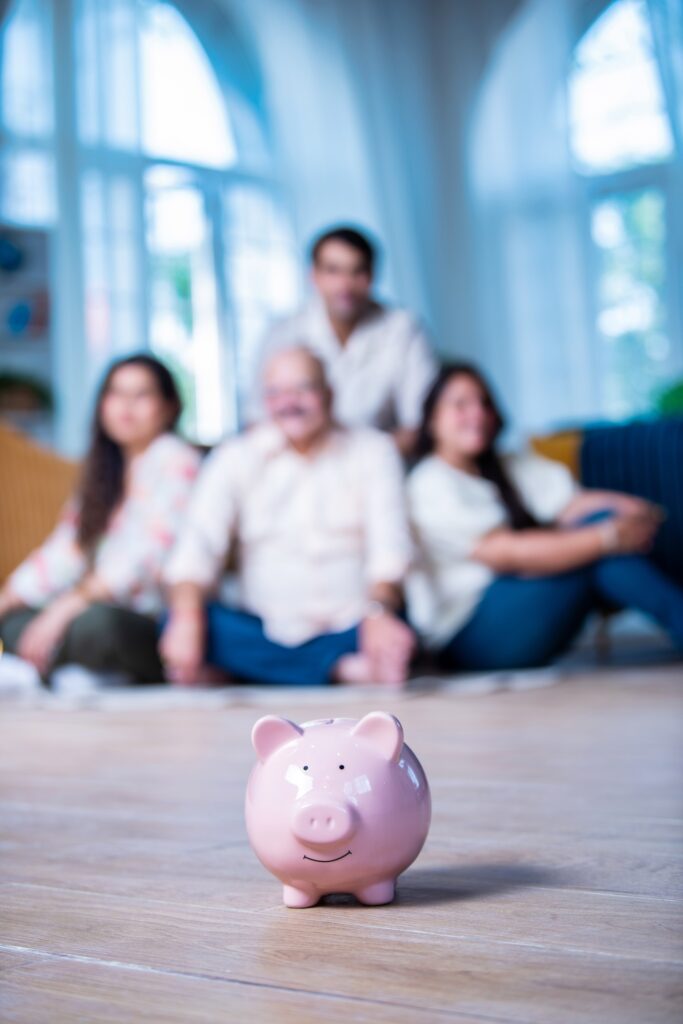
(292, 391)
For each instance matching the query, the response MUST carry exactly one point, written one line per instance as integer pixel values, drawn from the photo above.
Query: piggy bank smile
(331, 861)
(346, 796)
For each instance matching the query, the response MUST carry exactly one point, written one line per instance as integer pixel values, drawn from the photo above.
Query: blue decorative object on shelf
(19, 318)
(11, 256)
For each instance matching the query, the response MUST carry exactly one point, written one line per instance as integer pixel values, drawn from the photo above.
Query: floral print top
(130, 555)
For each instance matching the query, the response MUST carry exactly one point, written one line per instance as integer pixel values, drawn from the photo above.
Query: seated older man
(317, 515)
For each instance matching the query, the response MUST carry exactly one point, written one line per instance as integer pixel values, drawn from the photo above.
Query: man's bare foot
(358, 670)
(353, 670)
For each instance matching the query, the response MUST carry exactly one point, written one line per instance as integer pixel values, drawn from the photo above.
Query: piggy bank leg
(374, 895)
(299, 898)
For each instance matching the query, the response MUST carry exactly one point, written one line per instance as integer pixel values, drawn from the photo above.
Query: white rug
(124, 698)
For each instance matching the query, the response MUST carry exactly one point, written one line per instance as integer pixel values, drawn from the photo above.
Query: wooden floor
(549, 890)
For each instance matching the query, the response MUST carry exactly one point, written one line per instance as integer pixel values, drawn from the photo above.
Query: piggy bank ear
(271, 732)
(383, 732)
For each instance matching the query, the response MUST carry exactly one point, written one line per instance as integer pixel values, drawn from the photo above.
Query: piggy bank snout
(323, 822)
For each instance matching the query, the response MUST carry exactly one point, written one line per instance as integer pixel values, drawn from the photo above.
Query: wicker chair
(35, 485)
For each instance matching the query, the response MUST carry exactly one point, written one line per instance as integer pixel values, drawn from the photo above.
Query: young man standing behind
(378, 359)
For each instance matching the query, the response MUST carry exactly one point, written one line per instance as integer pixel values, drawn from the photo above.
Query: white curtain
(370, 102)
(531, 226)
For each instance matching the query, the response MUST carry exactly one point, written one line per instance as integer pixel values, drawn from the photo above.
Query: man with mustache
(378, 358)
(317, 514)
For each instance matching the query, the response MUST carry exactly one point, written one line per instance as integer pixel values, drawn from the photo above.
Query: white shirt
(138, 537)
(313, 533)
(379, 377)
(451, 511)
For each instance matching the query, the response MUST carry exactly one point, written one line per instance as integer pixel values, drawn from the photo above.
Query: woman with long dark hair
(513, 554)
(91, 594)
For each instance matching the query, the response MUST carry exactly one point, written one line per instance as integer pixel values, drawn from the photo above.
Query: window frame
(665, 176)
(71, 160)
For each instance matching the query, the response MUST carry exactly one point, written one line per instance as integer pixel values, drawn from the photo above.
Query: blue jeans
(523, 623)
(236, 643)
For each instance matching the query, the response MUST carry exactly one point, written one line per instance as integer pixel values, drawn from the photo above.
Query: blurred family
(341, 567)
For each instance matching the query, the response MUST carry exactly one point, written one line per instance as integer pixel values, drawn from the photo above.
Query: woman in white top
(91, 594)
(513, 553)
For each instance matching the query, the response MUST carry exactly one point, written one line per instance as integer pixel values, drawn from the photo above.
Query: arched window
(183, 115)
(576, 179)
(622, 144)
(171, 234)
(618, 115)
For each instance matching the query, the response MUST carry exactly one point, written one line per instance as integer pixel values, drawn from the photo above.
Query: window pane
(617, 110)
(26, 66)
(262, 270)
(27, 188)
(144, 81)
(111, 268)
(107, 72)
(184, 327)
(629, 232)
(183, 109)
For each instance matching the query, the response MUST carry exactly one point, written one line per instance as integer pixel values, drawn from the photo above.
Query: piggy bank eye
(305, 767)
(341, 767)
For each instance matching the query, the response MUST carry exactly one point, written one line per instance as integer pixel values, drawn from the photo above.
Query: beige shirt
(312, 533)
(379, 377)
(450, 512)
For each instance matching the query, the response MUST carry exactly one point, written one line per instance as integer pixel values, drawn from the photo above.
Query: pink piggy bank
(336, 806)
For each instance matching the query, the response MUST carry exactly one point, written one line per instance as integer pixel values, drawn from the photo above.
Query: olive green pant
(103, 638)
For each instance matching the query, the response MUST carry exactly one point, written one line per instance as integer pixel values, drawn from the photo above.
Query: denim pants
(237, 643)
(523, 623)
